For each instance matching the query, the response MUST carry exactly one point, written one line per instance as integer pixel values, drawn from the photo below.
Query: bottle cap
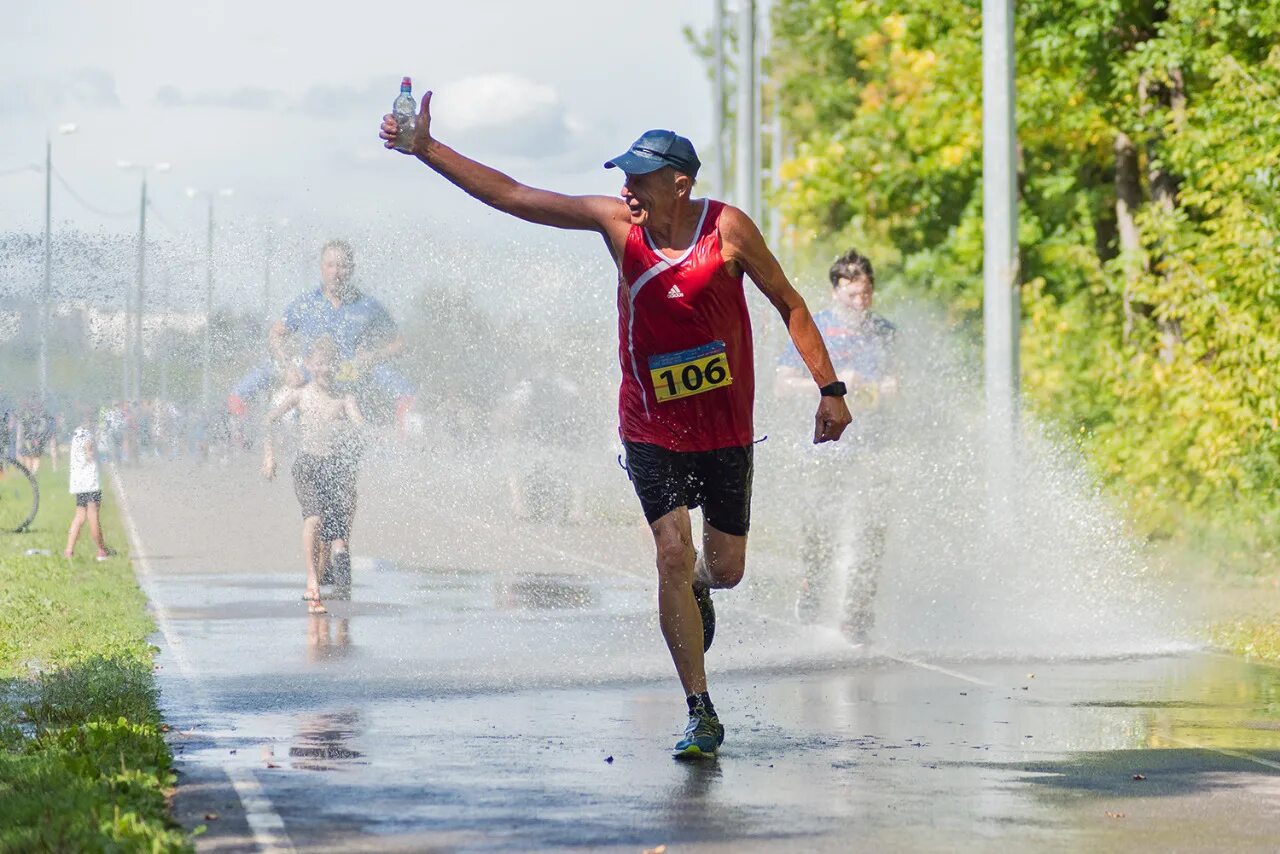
(406, 83)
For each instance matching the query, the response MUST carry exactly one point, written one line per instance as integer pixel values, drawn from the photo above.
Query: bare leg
(73, 533)
(677, 609)
(723, 560)
(95, 528)
(311, 546)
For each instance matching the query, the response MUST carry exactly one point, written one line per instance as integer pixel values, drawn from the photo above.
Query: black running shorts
(326, 487)
(84, 499)
(718, 481)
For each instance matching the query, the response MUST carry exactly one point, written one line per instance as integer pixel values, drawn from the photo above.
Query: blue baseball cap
(656, 149)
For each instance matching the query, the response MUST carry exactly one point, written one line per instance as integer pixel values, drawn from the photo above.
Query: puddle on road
(323, 741)
(540, 591)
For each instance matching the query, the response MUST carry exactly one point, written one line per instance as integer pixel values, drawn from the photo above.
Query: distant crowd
(125, 432)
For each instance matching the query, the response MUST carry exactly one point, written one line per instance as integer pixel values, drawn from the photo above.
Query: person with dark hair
(35, 429)
(861, 345)
(685, 348)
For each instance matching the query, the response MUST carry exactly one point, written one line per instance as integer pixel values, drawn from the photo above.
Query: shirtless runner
(324, 473)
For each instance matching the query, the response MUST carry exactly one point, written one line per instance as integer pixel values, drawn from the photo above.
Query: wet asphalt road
(508, 690)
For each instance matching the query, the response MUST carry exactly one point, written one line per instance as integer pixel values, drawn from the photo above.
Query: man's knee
(727, 571)
(674, 560)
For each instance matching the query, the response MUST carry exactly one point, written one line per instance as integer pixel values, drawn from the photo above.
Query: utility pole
(141, 298)
(205, 379)
(125, 348)
(163, 350)
(46, 295)
(46, 292)
(746, 162)
(717, 94)
(1000, 302)
(266, 274)
(774, 225)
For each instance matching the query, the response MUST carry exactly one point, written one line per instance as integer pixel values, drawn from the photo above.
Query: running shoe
(703, 735)
(702, 595)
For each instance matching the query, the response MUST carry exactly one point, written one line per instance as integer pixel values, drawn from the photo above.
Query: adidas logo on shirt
(675, 292)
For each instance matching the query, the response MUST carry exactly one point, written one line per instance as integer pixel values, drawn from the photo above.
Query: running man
(685, 347)
(860, 342)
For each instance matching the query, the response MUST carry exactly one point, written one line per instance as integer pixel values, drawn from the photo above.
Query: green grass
(83, 764)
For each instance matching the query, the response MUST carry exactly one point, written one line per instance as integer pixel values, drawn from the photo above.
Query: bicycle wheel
(19, 496)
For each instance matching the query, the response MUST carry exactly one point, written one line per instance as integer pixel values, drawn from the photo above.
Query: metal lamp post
(46, 293)
(206, 381)
(1001, 298)
(139, 306)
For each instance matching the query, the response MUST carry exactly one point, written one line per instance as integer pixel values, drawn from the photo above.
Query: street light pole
(748, 179)
(46, 294)
(1000, 302)
(141, 292)
(125, 360)
(205, 379)
(46, 291)
(717, 95)
(266, 272)
(140, 297)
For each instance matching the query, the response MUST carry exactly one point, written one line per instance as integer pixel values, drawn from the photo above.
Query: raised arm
(603, 214)
(744, 247)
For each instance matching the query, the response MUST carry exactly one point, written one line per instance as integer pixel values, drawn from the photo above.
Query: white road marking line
(954, 674)
(260, 814)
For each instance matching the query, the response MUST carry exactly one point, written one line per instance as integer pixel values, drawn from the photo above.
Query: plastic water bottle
(405, 110)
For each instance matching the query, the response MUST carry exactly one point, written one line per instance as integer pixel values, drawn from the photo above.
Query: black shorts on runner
(326, 487)
(718, 481)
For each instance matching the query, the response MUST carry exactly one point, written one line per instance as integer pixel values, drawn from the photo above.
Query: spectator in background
(86, 486)
(34, 429)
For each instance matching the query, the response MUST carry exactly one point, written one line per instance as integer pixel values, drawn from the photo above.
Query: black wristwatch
(835, 389)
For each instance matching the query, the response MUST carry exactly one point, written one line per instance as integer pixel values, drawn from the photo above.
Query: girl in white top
(87, 487)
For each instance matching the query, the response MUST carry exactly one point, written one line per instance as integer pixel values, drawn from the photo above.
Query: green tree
(1147, 183)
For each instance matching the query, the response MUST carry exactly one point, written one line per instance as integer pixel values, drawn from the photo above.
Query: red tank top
(684, 342)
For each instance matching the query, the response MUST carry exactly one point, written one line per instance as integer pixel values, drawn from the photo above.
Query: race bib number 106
(690, 372)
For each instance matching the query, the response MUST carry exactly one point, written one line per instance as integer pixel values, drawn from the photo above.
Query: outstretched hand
(421, 129)
(833, 416)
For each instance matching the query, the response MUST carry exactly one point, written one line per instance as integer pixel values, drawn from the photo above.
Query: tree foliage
(1149, 165)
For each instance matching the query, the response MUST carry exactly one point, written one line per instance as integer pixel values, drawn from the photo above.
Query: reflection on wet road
(513, 700)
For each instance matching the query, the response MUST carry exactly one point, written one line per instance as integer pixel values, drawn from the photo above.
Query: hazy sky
(281, 99)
